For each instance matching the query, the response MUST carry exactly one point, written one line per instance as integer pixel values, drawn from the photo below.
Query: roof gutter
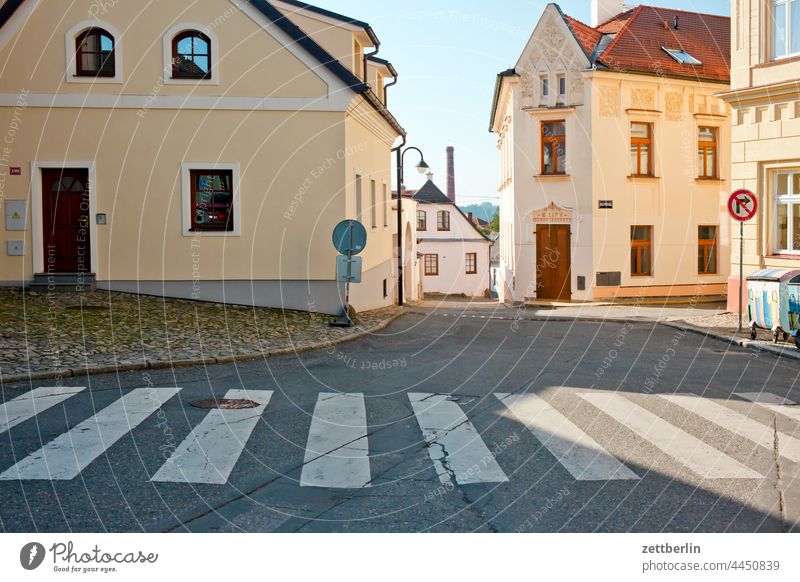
(496, 101)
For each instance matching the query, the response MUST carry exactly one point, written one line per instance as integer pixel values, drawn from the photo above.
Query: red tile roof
(587, 36)
(640, 35)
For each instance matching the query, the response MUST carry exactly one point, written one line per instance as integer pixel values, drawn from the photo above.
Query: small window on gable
(95, 54)
(682, 56)
(191, 56)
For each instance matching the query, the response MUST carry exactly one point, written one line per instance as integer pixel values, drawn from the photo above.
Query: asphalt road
(405, 431)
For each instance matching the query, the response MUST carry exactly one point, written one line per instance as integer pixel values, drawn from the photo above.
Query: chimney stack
(451, 173)
(603, 10)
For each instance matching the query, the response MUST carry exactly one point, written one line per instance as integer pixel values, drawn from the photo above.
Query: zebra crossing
(337, 451)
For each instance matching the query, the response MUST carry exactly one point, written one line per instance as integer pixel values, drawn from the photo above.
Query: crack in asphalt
(779, 475)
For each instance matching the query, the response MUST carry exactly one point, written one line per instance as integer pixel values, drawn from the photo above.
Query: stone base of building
(659, 291)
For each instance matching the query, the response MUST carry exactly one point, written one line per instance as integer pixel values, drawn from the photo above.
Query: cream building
(203, 150)
(766, 132)
(454, 254)
(614, 157)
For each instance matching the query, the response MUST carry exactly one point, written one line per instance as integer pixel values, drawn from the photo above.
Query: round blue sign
(350, 237)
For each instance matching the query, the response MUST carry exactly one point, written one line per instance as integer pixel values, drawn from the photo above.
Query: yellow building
(766, 132)
(614, 157)
(202, 150)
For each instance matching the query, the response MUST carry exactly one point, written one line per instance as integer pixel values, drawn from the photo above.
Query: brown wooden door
(553, 262)
(65, 213)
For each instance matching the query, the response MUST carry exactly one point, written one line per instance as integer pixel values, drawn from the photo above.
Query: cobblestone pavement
(728, 325)
(49, 333)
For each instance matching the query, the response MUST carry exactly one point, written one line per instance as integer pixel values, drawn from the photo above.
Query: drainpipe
(399, 150)
(377, 44)
(387, 85)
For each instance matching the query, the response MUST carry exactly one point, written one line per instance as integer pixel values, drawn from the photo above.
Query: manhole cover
(223, 404)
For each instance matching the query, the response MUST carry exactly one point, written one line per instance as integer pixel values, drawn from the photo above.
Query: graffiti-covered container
(773, 301)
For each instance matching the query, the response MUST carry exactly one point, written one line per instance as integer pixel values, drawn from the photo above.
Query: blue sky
(448, 53)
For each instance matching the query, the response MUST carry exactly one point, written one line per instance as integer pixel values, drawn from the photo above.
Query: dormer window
(191, 56)
(682, 56)
(95, 54)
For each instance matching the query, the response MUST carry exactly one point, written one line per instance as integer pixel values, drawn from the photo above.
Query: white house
(455, 255)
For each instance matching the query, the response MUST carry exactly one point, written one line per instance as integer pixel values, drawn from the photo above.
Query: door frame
(37, 219)
(550, 225)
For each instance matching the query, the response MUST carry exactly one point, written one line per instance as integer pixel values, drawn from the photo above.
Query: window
(358, 198)
(785, 28)
(707, 152)
(562, 87)
(431, 265)
(642, 149)
(422, 220)
(191, 56)
(472, 263)
(545, 87)
(554, 148)
(95, 54)
(787, 223)
(373, 196)
(682, 56)
(385, 206)
(707, 250)
(641, 251)
(212, 200)
(443, 220)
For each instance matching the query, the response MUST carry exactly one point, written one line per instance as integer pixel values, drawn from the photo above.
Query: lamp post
(422, 168)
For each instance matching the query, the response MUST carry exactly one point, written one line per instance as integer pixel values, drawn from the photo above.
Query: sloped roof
(431, 194)
(297, 35)
(638, 38)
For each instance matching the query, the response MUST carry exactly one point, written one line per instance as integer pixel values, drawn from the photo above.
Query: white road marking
(455, 447)
(737, 423)
(28, 405)
(210, 452)
(582, 456)
(70, 453)
(774, 403)
(693, 453)
(337, 453)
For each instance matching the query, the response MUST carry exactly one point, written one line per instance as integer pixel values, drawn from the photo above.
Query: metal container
(773, 303)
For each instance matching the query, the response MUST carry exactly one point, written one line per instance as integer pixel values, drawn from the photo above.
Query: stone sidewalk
(45, 335)
(724, 326)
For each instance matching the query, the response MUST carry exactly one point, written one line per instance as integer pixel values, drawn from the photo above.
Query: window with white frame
(787, 212)
(785, 28)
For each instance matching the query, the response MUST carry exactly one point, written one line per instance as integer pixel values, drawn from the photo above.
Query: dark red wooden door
(65, 211)
(553, 262)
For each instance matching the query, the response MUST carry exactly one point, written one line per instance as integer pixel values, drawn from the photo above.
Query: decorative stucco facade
(602, 192)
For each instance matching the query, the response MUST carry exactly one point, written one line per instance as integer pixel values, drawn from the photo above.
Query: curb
(165, 365)
(784, 352)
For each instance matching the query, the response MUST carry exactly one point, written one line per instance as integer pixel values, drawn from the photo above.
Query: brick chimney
(451, 173)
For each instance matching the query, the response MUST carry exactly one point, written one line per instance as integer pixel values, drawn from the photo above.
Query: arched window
(191, 56)
(95, 54)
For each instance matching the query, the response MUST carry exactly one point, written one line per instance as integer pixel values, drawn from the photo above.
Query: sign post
(743, 206)
(350, 239)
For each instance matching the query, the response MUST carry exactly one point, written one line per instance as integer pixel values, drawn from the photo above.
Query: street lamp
(422, 168)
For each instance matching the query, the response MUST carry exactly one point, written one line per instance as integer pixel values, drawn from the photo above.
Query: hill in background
(485, 211)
